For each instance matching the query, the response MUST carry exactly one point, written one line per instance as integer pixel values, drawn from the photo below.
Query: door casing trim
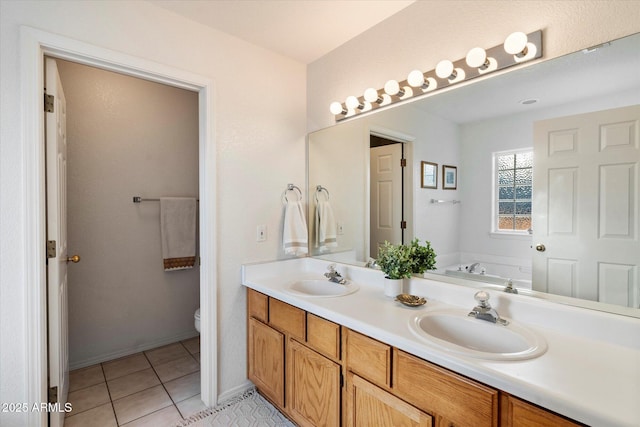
(34, 45)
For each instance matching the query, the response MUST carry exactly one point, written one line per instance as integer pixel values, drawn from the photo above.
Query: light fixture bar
(496, 55)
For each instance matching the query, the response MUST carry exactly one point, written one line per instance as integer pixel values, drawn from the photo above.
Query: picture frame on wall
(429, 175)
(449, 177)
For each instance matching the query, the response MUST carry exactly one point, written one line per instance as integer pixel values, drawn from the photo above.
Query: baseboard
(234, 392)
(131, 350)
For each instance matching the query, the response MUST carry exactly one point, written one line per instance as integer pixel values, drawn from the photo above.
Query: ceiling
(303, 30)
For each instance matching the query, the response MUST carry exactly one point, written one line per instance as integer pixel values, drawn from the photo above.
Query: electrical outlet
(261, 233)
(339, 228)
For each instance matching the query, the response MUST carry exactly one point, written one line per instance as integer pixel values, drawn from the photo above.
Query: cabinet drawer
(458, 400)
(518, 413)
(369, 358)
(257, 305)
(287, 318)
(323, 336)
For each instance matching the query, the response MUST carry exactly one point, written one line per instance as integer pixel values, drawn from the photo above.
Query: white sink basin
(320, 288)
(454, 331)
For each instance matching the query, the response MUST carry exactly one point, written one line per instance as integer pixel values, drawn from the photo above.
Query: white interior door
(586, 206)
(56, 166)
(386, 196)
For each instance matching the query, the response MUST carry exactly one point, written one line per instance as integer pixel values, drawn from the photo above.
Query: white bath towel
(294, 236)
(178, 232)
(326, 236)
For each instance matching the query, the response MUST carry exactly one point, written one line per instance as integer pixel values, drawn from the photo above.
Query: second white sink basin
(320, 288)
(454, 331)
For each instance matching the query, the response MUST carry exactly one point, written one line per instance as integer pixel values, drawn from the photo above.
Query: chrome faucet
(371, 263)
(509, 287)
(473, 267)
(483, 310)
(334, 276)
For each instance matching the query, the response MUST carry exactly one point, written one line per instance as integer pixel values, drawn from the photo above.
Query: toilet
(196, 317)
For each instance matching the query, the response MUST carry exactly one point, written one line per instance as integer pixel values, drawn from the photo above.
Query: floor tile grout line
(113, 409)
(162, 383)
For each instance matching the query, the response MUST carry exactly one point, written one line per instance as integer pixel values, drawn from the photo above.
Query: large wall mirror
(537, 180)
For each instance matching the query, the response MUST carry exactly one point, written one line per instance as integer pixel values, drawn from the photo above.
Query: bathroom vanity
(354, 359)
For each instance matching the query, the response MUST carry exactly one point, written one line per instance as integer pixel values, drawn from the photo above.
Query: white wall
(260, 137)
(428, 31)
(126, 137)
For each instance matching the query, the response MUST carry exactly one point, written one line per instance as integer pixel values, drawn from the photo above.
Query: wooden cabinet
(518, 413)
(266, 360)
(368, 358)
(368, 405)
(296, 360)
(453, 399)
(313, 387)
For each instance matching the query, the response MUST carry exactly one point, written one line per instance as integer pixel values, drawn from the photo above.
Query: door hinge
(51, 249)
(48, 103)
(403, 163)
(403, 224)
(53, 394)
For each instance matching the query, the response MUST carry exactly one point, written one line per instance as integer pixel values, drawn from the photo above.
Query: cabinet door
(266, 360)
(518, 413)
(368, 405)
(450, 398)
(313, 387)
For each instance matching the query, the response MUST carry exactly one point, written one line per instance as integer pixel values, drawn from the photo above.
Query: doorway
(387, 188)
(35, 44)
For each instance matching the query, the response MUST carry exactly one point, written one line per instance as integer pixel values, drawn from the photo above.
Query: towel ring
(320, 189)
(291, 187)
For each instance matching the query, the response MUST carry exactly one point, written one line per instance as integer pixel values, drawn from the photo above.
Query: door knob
(74, 259)
(540, 247)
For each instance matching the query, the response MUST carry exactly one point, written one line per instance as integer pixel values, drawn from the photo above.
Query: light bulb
(516, 44)
(371, 95)
(416, 79)
(352, 102)
(445, 70)
(393, 88)
(477, 58)
(336, 108)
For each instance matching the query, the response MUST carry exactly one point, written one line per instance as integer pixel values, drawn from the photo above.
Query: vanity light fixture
(371, 95)
(392, 88)
(416, 79)
(352, 102)
(337, 108)
(477, 58)
(516, 44)
(446, 70)
(517, 48)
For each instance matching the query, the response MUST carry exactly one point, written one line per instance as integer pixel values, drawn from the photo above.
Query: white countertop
(590, 371)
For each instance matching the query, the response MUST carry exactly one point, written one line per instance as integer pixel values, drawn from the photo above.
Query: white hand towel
(178, 232)
(294, 237)
(326, 235)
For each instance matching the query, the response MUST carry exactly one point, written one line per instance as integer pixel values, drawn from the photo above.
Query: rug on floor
(247, 410)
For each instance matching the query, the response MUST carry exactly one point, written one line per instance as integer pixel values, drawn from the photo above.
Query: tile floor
(158, 387)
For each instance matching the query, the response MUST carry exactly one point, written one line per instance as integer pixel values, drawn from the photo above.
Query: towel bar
(320, 189)
(291, 187)
(138, 199)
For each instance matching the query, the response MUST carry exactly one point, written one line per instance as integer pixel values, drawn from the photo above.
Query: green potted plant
(396, 263)
(423, 257)
(399, 262)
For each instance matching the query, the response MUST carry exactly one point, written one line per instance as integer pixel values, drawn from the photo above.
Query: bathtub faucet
(472, 267)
